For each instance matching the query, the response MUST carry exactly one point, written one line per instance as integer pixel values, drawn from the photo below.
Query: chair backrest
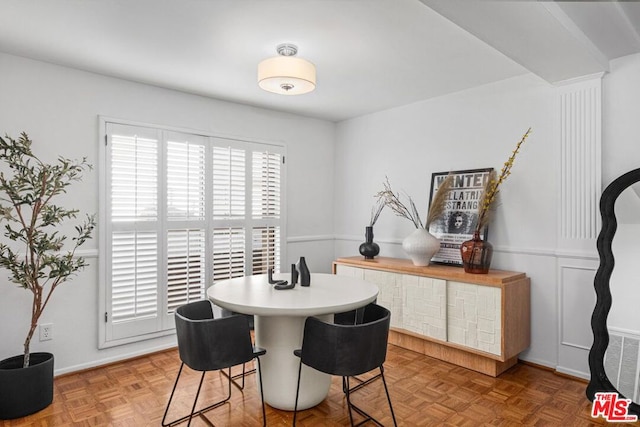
(208, 344)
(347, 350)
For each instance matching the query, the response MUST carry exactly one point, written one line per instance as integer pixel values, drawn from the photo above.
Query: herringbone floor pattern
(424, 391)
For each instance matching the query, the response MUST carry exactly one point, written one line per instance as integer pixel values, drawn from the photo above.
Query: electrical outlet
(46, 332)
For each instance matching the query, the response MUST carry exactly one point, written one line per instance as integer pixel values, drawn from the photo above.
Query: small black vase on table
(303, 270)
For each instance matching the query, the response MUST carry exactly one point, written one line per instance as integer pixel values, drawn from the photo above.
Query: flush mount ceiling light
(287, 74)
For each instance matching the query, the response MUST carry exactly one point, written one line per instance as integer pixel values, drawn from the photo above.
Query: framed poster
(460, 216)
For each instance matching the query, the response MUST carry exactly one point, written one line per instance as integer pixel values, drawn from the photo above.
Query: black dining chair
(351, 317)
(226, 313)
(347, 350)
(207, 344)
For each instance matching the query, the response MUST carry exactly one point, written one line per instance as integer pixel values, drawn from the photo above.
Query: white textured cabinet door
(424, 309)
(474, 316)
(390, 295)
(390, 292)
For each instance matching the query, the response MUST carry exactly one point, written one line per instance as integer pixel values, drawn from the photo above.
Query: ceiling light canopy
(287, 74)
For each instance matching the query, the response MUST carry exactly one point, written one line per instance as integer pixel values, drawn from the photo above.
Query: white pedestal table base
(281, 335)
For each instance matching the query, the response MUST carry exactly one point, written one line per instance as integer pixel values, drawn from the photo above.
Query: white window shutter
(134, 178)
(186, 267)
(182, 211)
(229, 183)
(228, 253)
(134, 275)
(266, 184)
(266, 249)
(185, 181)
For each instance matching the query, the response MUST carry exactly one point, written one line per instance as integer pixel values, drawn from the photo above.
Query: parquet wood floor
(424, 392)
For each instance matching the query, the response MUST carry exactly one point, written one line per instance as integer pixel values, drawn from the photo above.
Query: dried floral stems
(492, 187)
(392, 200)
(375, 211)
(485, 208)
(439, 200)
(410, 212)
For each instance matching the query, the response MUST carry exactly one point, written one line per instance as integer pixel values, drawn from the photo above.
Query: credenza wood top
(439, 271)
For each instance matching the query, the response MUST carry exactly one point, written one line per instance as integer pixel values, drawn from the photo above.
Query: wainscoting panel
(576, 301)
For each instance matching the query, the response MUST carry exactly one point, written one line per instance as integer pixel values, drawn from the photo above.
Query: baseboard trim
(97, 364)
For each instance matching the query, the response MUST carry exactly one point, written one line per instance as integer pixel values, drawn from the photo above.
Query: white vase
(421, 246)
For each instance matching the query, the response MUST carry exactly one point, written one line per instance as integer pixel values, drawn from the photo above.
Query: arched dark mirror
(613, 359)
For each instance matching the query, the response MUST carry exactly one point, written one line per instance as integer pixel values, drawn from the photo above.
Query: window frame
(105, 226)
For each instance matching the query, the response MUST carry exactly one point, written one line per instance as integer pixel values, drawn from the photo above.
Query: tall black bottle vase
(294, 274)
(303, 269)
(369, 249)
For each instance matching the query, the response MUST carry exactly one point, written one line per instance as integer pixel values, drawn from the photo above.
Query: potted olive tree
(37, 257)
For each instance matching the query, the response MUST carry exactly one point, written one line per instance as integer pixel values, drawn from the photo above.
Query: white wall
(59, 107)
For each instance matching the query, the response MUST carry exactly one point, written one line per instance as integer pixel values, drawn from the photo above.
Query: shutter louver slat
(134, 275)
(266, 249)
(228, 183)
(134, 176)
(185, 181)
(228, 253)
(266, 184)
(185, 267)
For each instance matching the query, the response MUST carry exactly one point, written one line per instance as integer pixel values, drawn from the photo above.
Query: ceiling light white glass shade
(287, 75)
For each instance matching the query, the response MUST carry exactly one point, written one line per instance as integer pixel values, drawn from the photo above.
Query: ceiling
(371, 55)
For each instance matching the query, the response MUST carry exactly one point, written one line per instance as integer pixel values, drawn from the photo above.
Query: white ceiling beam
(536, 35)
(554, 9)
(630, 14)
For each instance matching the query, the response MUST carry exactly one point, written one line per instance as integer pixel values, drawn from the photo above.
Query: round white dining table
(279, 317)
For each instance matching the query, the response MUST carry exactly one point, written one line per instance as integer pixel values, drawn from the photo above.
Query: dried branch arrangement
(486, 207)
(394, 202)
(376, 210)
(408, 210)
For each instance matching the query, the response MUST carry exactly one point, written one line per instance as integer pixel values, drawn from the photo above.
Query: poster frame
(465, 185)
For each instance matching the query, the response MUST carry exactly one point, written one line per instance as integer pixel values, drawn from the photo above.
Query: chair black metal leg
(193, 412)
(166, 411)
(348, 390)
(236, 376)
(393, 415)
(195, 401)
(362, 383)
(295, 408)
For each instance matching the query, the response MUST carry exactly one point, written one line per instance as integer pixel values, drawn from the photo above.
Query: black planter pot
(24, 391)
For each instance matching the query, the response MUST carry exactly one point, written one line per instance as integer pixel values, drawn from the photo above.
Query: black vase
(369, 249)
(25, 391)
(305, 275)
(294, 274)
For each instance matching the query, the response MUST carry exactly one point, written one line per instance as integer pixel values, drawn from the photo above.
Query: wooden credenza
(479, 321)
